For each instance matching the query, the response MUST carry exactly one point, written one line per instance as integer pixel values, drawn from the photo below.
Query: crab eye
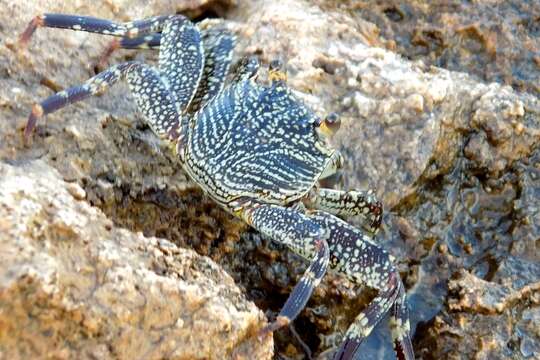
(330, 125)
(276, 71)
(332, 120)
(275, 65)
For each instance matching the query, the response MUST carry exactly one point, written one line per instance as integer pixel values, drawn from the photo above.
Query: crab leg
(354, 254)
(218, 51)
(180, 60)
(95, 25)
(301, 293)
(152, 96)
(400, 327)
(369, 318)
(150, 41)
(349, 203)
(304, 237)
(218, 44)
(335, 163)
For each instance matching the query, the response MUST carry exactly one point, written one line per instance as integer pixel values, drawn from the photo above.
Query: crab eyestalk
(276, 71)
(330, 125)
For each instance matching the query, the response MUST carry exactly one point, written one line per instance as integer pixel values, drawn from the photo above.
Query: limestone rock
(74, 286)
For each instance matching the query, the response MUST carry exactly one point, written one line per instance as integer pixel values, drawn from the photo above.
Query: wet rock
(455, 162)
(487, 297)
(506, 308)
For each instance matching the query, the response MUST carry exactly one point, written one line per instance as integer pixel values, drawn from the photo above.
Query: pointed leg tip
(404, 349)
(107, 53)
(37, 112)
(24, 38)
(275, 325)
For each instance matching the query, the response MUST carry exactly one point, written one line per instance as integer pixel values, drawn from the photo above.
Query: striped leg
(369, 318)
(349, 203)
(181, 58)
(95, 25)
(153, 97)
(218, 44)
(304, 237)
(353, 253)
(218, 50)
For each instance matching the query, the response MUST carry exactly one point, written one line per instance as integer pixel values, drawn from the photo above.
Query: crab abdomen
(257, 142)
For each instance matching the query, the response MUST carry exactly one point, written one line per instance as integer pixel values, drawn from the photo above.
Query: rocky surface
(455, 161)
(495, 40)
(74, 286)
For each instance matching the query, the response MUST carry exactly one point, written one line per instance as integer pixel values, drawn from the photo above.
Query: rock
(454, 160)
(495, 41)
(485, 297)
(74, 286)
(490, 305)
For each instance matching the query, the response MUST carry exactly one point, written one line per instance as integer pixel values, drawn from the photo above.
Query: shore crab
(256, 150)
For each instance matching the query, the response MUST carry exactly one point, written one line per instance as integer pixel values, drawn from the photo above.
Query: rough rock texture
(72, 285)
(455, 161)
(495, 40)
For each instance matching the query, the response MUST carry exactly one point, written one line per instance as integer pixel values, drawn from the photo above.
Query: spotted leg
(304, 237)
(353, 253)
(349, 203)
(218, 45)
(181, 58)
(152, 96)
(132, 29)
(400, 327)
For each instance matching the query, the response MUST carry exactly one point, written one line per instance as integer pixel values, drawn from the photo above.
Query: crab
(257, 150)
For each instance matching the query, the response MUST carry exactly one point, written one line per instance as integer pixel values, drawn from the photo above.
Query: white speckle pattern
(181, 59)
(261, 141)
(256, 151)
(218, 50)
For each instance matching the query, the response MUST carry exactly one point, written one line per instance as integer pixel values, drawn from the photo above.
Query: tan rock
(73, 287)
